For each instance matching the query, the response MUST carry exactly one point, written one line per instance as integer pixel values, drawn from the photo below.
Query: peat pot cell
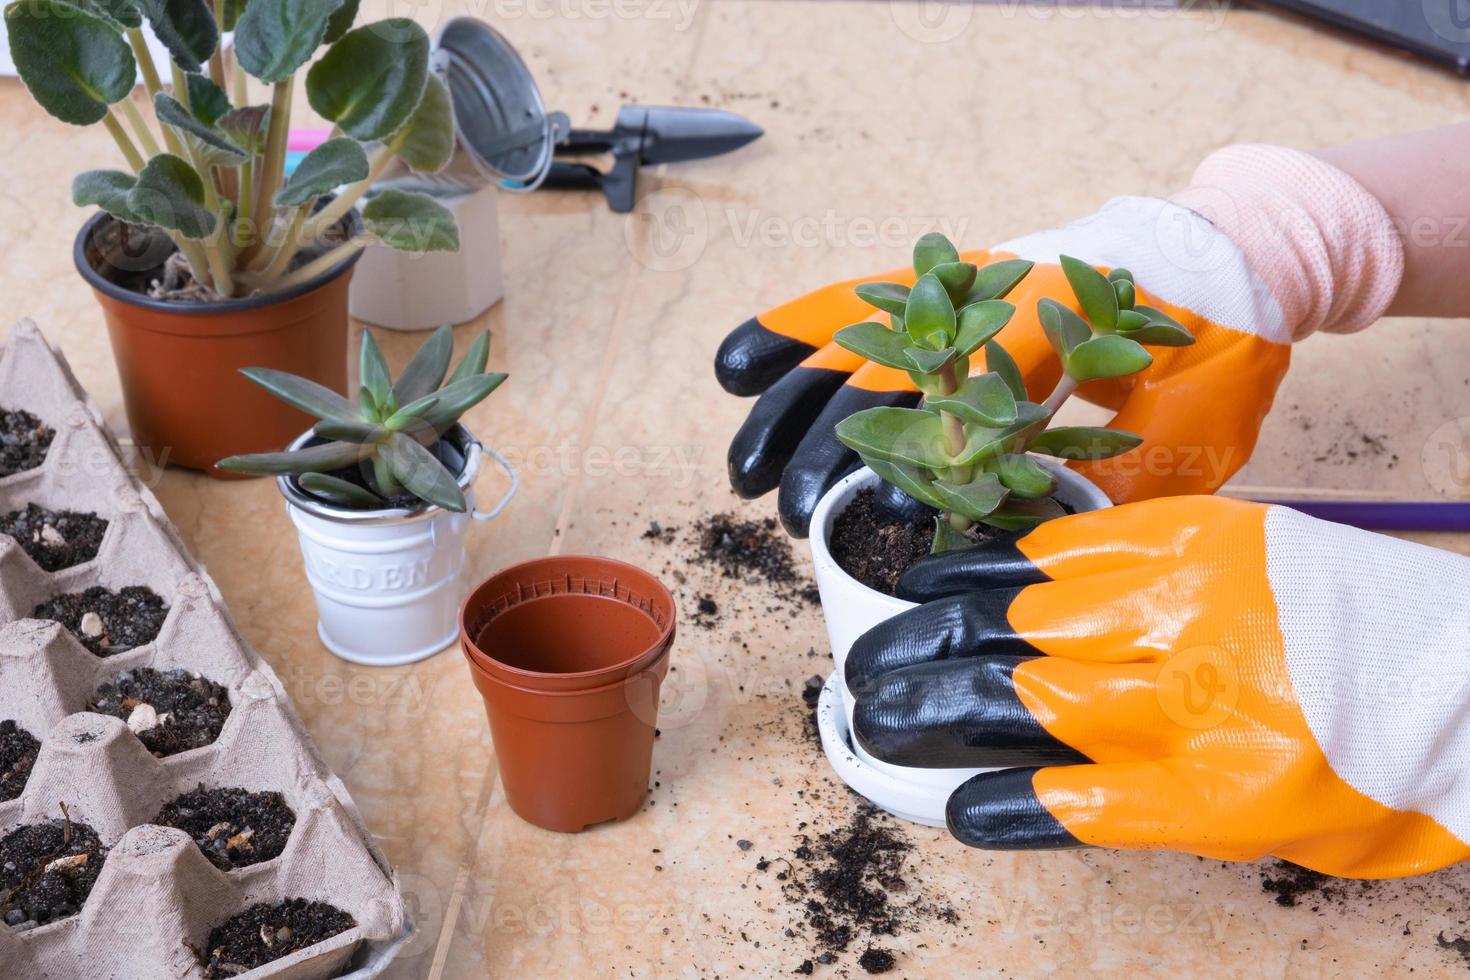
(46, 871)
(264, 933)
(23, 441)
(55, 539)
(18, 750)
(108, 622)
(171, 711)
(234, 828)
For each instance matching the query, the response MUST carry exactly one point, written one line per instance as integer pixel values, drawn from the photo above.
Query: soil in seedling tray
(18, 750)
(234, 828)
(47, 870)
(264, 933)
(108, 622)
(170, 711)
(23, 441)
(55, 539)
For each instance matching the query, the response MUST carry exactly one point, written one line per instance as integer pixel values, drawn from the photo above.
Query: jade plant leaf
(124, 13)
(169, 193)
(474, 360)
(274, 38)
(1126, 293)
(1063, 328)
(946, 538)
(1018, 514)
(338, 491)
(334, 163)
(1129, 320)
(207, 101)
(986, 442)
(355, 431)
(926, 361)
(106, 189)
(1120, 274)
(1173, 331)
(369, 81)
(247, 127)
(185, 27)
(890, 297)
(210, 143)
(75, 63)
(410, 222)
(875, 342)
(1107, 356)
(979, 322)
(1082, 442)
(312, 398)
(421, 473)
(931, 250)
(373, 370)
(976, 499)
(458, 397)
(341, 21)
(999, 361)
(426, 141)
(957, 278)
(985, 399)
(929, 314)
(426, 370)
(368, 406)
(902, 435)
(995, 280)
(328, 456)
(1094, 293)
(1023, 475)
(411, 413)
(910, 479)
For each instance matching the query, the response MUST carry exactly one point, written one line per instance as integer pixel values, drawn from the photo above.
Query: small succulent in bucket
(963, 451)
(217, 184)
(388, 439)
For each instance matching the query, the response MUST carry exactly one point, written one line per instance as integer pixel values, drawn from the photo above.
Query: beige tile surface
(883, 120)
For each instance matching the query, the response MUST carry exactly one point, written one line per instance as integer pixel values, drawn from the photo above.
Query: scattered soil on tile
(264, 933)
(55, 539)
(706, 611)
(1294, 885)
(170, 711)
(18, 750)
(811, 693)
(23, 441)
(108, 622)
(47, 870)
(1459, 944)
(876, 960)
(751, 551)
(233, 827)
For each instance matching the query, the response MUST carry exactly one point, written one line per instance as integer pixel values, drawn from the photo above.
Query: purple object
(1387, 515)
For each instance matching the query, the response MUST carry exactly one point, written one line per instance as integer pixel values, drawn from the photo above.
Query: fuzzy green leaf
(1019, 514)
(334, 163)
(75, 64)
(930, 362)
(339, 492)
(425, 372)
(274, 38)
(877, 343)
(247, 127)
(985, 399)
(1094, 293)
(106, 189)
(1063, 328)
(1081, 442)
(931, 250)
(976, 499)
(373, 372)
(459, 397)
(911, 480)
(169, 193)
(310, 397)
(979, 322)
(328, 456)
(890, 297)
(995, 280)
(929, 315)
(207, 101)
(902, 435)
(426, 141)
(370, 80)
(999, 361)
(210, 143)
(474, 360)
(421, 473)
(1108, 356)
(185, 27)
(341, 21)
(356, 431)
(957, 278)
(1023, 475)
(123, 13)
(410, 222)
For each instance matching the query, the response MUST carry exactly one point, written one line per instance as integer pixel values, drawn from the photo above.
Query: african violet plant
(963, 451)
(216, 184)
(388, 434)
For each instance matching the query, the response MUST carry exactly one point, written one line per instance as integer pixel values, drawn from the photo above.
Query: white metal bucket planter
(388, 582)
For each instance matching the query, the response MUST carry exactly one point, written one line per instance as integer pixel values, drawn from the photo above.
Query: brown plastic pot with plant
(207, 256)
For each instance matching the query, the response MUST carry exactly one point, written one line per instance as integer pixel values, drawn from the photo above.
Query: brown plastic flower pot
(569, 654)
(179, 363)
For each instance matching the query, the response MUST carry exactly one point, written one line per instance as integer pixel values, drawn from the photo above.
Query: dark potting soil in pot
(233, 827)
(108, 622)
(264, 933)
(175, 710)
(55, 539)
(47, 870)
(18, 751)
(23, 441)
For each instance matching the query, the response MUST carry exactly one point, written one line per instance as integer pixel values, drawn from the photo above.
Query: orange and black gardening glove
(1197, 673)
(1292, 245)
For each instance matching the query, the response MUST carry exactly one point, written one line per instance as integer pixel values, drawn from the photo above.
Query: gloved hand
(1195, 673)
(1294, 246)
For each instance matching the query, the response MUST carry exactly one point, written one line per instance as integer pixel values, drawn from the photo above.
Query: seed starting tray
(157, 895)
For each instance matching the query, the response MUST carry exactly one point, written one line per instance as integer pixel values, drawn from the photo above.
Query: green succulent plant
(213, 175)
(388, 434)
(963, 451)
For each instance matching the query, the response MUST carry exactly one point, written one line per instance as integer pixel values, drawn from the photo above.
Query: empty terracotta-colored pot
(569, 653)
(179, 363)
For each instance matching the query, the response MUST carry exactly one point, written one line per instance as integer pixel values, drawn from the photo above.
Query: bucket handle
(555, 127)
(515, 483)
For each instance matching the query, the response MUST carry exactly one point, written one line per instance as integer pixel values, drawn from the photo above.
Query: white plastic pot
(850, 610)
(388, 582)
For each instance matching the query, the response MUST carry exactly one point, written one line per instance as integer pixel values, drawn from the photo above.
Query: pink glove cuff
(1322, 244)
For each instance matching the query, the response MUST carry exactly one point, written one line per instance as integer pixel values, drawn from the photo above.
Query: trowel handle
(573, 177)
(515, 484)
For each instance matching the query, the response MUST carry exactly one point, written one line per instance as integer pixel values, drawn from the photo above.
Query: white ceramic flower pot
(388, 582)
(850, 610)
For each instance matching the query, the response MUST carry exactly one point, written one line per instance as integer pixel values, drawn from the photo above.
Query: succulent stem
(124, 143)
(140, 127)
(273, 165)
(151, 82)
(1060, 394)
(315, 267)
